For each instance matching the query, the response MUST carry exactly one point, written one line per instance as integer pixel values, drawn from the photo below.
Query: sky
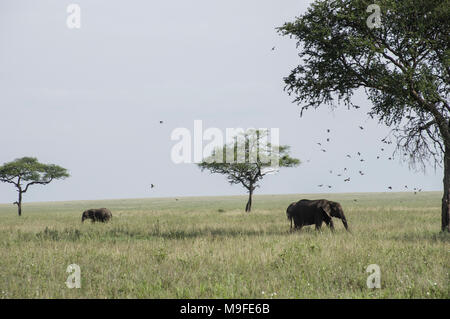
(91, 99)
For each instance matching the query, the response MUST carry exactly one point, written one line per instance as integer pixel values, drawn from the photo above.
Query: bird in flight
(161, 122)
(323, 150)
(390, 187)
(362, 128)
(151, 185)
(347, 180)
(328, 130)
(273, 48)
(348, 156)
(320, 185)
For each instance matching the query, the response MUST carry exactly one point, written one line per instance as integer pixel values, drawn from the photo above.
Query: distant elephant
(101, 215)
(308, 212)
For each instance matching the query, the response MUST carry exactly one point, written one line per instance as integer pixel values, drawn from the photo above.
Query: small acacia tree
(252, 158)
(27, 171)
(403, 64)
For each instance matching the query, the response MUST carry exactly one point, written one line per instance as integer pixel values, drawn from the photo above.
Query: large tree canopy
(248, 166)
(403, 65)
(27, 171)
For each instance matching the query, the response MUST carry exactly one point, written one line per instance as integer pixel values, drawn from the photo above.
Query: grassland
(209, 248)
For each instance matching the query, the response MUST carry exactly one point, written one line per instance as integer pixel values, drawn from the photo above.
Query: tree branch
(427, 125)
(37, 182)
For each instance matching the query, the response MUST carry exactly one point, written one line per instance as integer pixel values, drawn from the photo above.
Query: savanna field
(208, 247)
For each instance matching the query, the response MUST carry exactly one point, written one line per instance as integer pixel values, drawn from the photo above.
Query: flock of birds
(358, 156)
(345, 170)
(347, 179)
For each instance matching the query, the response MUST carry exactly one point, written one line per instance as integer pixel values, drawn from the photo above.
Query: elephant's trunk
(342, 217)
(344, 221)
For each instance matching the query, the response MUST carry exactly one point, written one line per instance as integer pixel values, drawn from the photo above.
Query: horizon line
(199, 196)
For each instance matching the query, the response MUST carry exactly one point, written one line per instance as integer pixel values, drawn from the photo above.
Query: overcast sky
(91, 99)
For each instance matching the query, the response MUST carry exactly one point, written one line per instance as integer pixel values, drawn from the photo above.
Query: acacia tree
(247, 160)
(27, 171)
(403, 65)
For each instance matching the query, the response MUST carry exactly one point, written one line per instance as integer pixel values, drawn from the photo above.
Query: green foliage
(248, 164)
(403, 65)
(196, 252)
(28, 169)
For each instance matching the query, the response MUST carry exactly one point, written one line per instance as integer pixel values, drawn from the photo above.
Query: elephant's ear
(325, 205)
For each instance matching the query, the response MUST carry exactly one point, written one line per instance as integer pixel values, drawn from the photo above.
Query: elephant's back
(304, 212)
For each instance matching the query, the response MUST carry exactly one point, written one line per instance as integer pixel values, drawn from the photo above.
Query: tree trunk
(446, 197)
(248, 207)
(19, 204)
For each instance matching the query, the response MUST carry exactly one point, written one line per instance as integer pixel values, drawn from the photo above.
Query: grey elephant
(101, 215)
(315, 212)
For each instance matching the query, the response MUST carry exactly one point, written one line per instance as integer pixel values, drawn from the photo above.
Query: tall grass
(209, 248)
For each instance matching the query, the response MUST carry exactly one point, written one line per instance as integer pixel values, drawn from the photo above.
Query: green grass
(207, 247)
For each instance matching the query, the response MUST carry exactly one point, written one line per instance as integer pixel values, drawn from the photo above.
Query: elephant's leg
(318, 224)
(330, 224)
